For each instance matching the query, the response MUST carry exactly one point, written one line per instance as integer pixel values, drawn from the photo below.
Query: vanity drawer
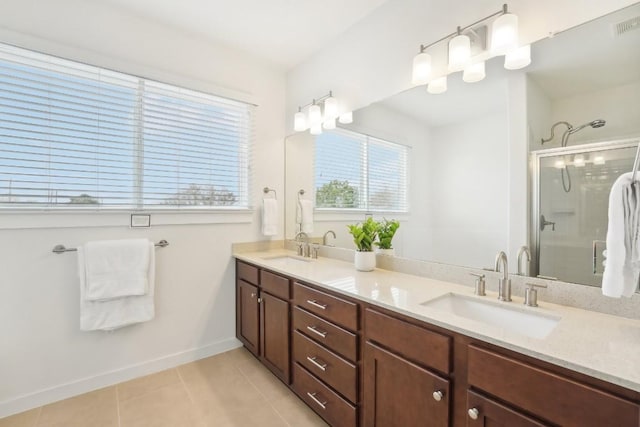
(327, 366)
(557, 399)
(335, 338)
(334, 309)
(274, 284)
(410, 341)
(247, 272)
(334, 409)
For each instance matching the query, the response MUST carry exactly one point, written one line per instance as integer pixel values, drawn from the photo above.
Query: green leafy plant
(387, 229)
(364, 234)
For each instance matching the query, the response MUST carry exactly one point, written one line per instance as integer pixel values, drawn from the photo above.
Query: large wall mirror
(479, 180)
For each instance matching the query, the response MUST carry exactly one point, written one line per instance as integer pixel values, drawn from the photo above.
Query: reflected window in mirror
(354, 171)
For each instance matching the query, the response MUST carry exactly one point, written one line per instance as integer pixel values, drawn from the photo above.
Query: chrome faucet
(504, 284)
(324, 238)
(524, 251)
(303, 247)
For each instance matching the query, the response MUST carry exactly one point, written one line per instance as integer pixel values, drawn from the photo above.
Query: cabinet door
(247, 316)
(484, 412)
(275, 335)
(400, 393)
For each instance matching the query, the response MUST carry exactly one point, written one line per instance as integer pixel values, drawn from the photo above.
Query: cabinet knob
(438, 395)
(253, 294)
(473, 413)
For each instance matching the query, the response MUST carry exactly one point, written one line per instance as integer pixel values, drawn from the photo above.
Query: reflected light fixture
(468, 50)
(317, 117)
(598, 160)
(579, 161)
(559, 164)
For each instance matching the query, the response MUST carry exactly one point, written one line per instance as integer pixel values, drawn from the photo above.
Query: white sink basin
(287, 259)
(519, 320)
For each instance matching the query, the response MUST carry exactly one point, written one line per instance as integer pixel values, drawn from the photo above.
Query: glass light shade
(559, 164)
(437, 86)
(504, 34)
(459, 52)
(329, 124)
(316, 129)
(346, 118)
(330, 108)
(421, 69)
(315, 115)
(598, 160)
(474, 72)
(299, 122)
(578, 161)
(518, 58)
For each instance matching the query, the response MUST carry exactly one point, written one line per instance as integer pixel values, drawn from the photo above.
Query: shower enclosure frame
(535, 158)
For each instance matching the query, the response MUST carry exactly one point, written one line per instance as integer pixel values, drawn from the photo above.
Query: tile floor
(229, 389)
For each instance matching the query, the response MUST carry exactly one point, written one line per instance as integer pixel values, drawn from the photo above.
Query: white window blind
(358, 172)
(74, 135)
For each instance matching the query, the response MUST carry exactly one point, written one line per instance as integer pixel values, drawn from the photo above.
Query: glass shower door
(572, 215)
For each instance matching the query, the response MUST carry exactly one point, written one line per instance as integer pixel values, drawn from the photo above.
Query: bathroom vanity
(364, 349)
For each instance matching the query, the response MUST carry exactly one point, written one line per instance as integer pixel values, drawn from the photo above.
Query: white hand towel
(618, 278)
(116, 268)
(269, 217)
(115, 313)
(304, 215)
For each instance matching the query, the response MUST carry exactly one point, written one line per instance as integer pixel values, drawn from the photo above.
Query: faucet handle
(531, 294)
(480, 284)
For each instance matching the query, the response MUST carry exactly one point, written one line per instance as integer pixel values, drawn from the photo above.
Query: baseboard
(64, 391)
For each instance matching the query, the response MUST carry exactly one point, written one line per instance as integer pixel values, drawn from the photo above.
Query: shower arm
(569, 128)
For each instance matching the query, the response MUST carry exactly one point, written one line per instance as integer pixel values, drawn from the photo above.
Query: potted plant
(387, 229)
(364, 234)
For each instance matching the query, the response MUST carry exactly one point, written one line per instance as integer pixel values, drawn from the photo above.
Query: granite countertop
(600, 345)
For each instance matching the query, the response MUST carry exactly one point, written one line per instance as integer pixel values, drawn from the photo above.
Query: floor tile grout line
(186, 388)
(118, 406)
(35, 423)
(263, 395)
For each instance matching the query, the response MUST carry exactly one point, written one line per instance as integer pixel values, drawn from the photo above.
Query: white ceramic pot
(388, 252)
(365, 261)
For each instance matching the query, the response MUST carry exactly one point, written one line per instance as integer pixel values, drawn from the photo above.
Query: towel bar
(267, 190)
(59, 249)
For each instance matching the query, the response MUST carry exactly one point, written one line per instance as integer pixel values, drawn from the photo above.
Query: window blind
(356, 171)
(73, 135)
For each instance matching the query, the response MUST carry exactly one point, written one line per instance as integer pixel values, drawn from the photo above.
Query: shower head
(594, 124)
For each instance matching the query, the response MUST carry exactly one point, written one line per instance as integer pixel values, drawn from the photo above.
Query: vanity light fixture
(316, 119)
(468, 51)
(579, 161)
(599, 160)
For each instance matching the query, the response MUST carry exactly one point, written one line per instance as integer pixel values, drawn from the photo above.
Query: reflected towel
(269, 217)
(115, 313)
(620, 277)
(304, 215)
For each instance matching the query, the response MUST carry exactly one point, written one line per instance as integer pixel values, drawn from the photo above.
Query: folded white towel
(116, 268)
(117, 312)
(619, 278)
(304, 215)
(269, 217)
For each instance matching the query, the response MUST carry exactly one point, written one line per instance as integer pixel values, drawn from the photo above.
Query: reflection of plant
(364, 234)
(337, 194)
(386, 232)
(83, 199)
(195, 195)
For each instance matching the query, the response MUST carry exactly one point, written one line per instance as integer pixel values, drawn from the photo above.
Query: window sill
(355, 215)
(42, 218)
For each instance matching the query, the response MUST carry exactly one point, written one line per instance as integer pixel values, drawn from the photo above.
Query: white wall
(43, 355)
(372, 60)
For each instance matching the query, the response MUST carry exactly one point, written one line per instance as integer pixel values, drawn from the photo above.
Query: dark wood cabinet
(247, 318)
(484, 412)
(274, 337)
(398, 392)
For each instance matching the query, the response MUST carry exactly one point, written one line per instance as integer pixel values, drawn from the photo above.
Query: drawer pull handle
(315, 330)
(473, 413)
(438, 395)
(317, 304)
(323, 405)
(319, 365)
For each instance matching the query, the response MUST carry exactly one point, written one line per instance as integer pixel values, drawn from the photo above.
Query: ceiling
(284, 32)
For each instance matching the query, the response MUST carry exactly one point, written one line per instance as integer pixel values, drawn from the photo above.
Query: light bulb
(518, 58)
(474, 72)
(438, 85)
(559, 164)
(330, 108)
(578, 161)
(598, 160)
(315, 115)
(504, 34)
(421, 69)
(299, 122)
(346, 118)
(459, 52)
(329, 124)
(316, 129)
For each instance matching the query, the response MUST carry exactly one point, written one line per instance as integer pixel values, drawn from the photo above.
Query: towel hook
(267, 190)
(300, 194)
